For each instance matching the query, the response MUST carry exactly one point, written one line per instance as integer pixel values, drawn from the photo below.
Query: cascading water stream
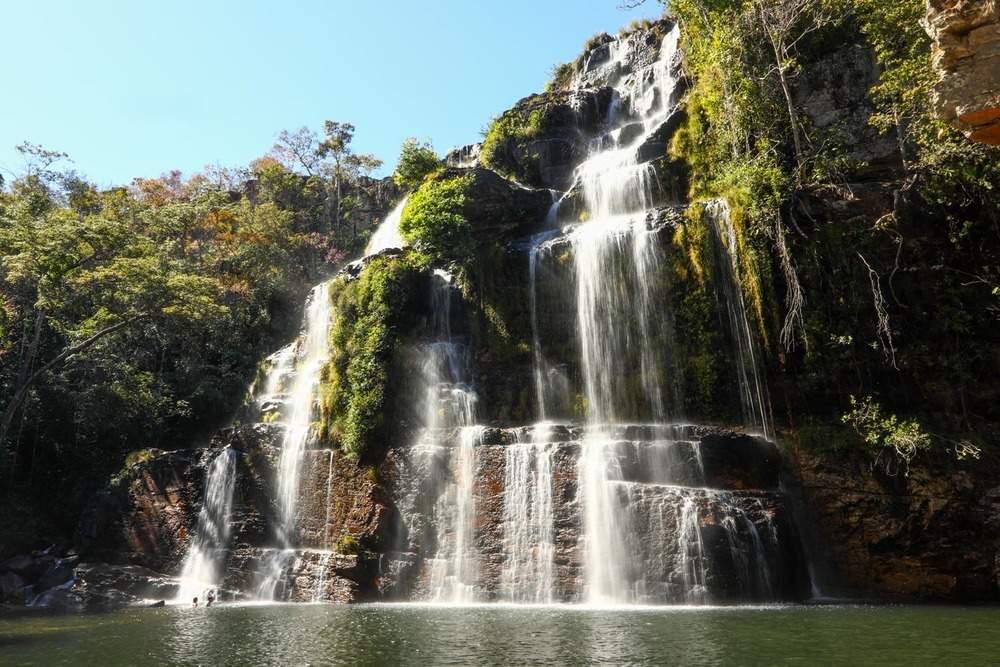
(309, 354)
(625, 336)
(529, 540)
(388, 234)
(616, 315)
(201, 570)
(753, 388)
(450, 415)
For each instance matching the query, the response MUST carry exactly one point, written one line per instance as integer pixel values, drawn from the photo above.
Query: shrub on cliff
(368, 315)
(416, 161)
(562, 77)
(504, 135)
(434, 220)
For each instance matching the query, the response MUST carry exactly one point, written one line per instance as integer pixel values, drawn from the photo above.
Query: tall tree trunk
(794, 121)
(336, 209)
(781, 64)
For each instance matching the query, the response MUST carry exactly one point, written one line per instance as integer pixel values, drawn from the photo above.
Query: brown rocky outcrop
(966, 55)
(135, 534)
(731, 478)
(145, 516)
(929, 536)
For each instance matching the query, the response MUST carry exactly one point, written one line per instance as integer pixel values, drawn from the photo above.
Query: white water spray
(388, 234)
(203, 564)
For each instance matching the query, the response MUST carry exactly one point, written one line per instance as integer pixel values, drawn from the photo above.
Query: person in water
(194, 603)
(210, 599)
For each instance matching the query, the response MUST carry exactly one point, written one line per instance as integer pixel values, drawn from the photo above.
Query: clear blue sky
(135, 87)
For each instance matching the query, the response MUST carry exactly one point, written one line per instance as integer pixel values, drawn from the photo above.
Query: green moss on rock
(506, 134)
(369, 317)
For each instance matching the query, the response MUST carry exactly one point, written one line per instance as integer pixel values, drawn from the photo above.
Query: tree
(345, 164)
(786, 23)
(298, 149)
(416, 161)
(85, 290)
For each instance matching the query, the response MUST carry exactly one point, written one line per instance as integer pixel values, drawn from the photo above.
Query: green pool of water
(493, 635)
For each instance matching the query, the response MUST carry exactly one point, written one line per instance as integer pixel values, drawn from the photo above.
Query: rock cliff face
(929, 537)
(147, 522)
(966, 36)
(732, 513)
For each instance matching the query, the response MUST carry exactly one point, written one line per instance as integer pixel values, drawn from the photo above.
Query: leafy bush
(132, 459)
(416, 161)
(434, 221)
(348, 544)
(562, 77)
(887, 435)
(369, 313)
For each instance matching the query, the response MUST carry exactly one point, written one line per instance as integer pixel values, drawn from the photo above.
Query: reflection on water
(506, 635)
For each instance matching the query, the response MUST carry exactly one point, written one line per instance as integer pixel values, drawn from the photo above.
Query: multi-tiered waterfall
(286, 400)
(296, 371)
(611, 496)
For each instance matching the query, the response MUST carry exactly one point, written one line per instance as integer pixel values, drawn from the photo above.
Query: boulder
(119, 582)
(57, 574)
(562, 125)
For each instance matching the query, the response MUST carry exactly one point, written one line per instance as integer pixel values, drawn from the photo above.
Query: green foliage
(131, 318)
(958, 174)
(416, 161)
(368, 316)
(887, 435)
(562, 77)
(348, 544)
(514, 128)
(434, 220)
(133, 459)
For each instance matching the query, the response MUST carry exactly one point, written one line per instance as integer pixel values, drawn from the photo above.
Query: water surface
(498, 635)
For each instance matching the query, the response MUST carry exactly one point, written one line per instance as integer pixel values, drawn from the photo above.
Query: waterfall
(286, 398)
(202, 567)
(616, 510)
(388, 235)
(301, 375)
(551, 384)
(450, 415)
(753, 388)
(529, 541)
(298, 424)
(641, 531)
(319, 590)
(536, 343)
(615, 258)
(689, 564)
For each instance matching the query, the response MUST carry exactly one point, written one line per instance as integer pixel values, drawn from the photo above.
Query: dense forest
(133, 318)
